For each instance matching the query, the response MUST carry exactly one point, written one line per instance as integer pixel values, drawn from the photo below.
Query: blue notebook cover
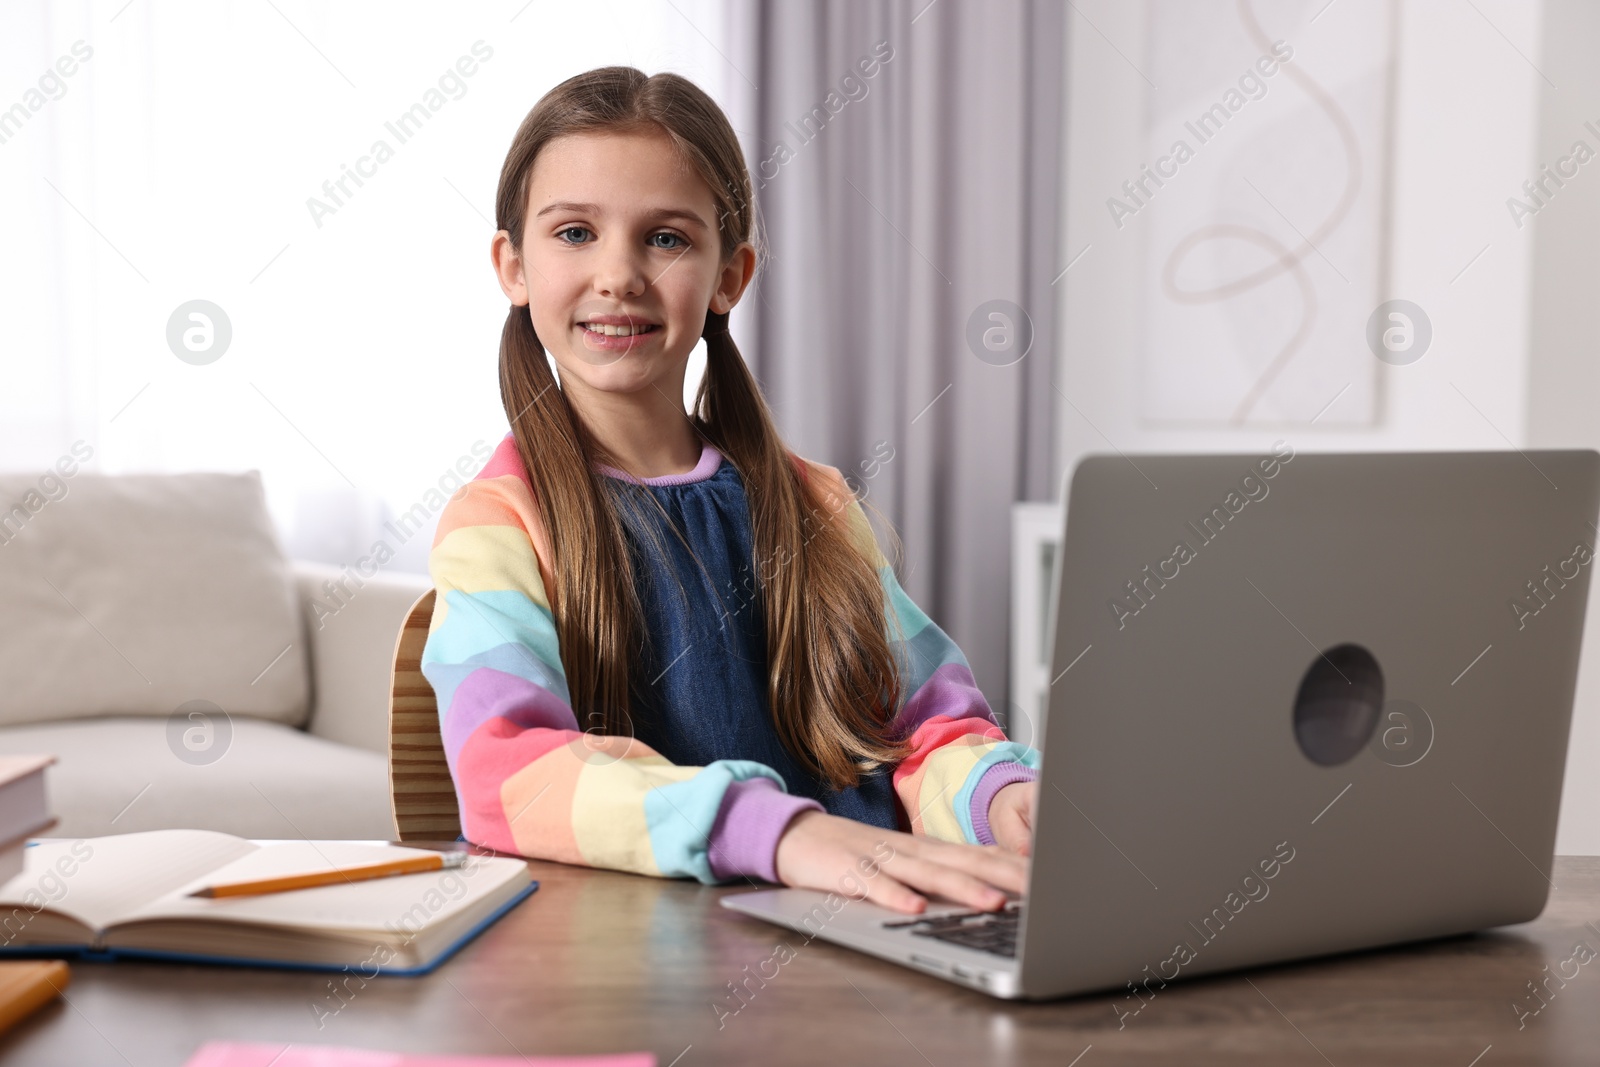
(84, 954)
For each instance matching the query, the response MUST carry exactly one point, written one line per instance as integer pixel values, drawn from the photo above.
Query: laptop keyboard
(994, 932)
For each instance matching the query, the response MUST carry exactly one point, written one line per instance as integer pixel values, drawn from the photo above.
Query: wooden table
(603, 962)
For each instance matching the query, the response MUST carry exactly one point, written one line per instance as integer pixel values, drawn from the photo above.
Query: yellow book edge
(28, 985)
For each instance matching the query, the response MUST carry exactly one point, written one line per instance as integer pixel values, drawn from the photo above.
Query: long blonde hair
(832, 681)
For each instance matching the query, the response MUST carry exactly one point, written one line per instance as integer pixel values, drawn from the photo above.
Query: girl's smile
(618, 333)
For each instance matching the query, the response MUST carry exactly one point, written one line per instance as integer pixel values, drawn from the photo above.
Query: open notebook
(105, 897)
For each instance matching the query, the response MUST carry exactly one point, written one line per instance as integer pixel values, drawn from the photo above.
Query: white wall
(1515, 333)
(1464, 138)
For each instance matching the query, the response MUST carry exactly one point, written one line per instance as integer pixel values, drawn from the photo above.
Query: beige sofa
(155, 639)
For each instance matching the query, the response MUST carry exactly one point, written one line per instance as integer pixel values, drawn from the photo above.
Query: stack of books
(24, 808)
(24, 813)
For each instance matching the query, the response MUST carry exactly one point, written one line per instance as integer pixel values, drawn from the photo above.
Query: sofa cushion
(121, 774)
(136, 594)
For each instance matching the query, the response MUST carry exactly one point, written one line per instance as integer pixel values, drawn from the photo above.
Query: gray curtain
(896, 210)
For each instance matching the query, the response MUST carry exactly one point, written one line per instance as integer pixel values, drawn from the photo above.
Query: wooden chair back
(421, 791)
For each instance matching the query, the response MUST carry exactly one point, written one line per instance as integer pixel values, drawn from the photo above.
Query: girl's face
(621, 258)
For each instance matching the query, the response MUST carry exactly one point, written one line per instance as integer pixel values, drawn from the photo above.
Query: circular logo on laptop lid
(1337, 707)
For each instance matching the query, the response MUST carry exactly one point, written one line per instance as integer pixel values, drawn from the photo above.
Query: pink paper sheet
(237, 1054)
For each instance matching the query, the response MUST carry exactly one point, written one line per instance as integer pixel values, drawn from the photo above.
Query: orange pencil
(410, 865)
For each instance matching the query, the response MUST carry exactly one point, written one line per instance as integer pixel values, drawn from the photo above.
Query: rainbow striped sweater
(529, 780)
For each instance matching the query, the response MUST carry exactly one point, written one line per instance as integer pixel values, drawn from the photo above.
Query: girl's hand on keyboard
(1011, 817)
(899, 871)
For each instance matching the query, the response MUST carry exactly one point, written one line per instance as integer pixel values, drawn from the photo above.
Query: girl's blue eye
(562, 234)
(681, 243)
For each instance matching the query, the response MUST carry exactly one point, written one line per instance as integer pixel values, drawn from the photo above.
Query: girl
(662, 642)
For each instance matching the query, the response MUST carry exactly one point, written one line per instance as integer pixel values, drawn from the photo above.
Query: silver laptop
(1301, 704)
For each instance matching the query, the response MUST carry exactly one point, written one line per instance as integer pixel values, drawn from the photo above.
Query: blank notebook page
(100, 879)
(370, 904)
